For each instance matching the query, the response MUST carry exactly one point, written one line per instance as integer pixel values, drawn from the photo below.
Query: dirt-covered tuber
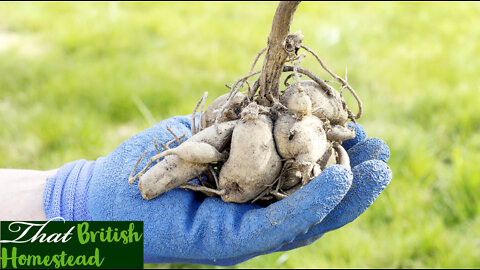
(267, 142)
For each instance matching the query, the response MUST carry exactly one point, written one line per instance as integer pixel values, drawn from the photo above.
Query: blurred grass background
(77, 79)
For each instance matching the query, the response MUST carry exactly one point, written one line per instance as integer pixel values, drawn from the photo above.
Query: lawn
(77, 79)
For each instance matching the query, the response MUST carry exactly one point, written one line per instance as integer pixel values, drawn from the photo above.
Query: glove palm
(185, 226)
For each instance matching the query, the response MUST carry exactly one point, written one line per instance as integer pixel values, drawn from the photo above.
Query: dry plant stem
(276, 53)
(342, 81)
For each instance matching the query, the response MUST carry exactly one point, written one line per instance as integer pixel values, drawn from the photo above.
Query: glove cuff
(65, 193)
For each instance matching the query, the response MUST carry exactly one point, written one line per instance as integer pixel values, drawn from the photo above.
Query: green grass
(76, 80)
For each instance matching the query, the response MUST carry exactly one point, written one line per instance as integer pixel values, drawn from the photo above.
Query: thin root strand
(233, 93)
(130, 179)
(327, 88)
(207, 191)
(338, 78)
(194, 130)
(177, 139)
(156, 145)
(254, 89)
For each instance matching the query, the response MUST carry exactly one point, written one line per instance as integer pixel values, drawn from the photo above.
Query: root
(205, 183)
(293, 58)
(177, 139)
(278, 195)
(207, 191)
(342, 81)
(194, 130)
(253, 91)
(214, 174)
(262, 194)
(249, 89)
(233, 93)
(327, 88)
(156, 145)
(266, 198)
(343, 158)
(237, 85)
(284, 176)
(154, 158)
(256, 59)
(288, 78)
(235, 89)
(286, 167)
(130, 179)
(295, 67)
(200, 127)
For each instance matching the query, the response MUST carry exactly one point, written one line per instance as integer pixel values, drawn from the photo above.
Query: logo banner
(60, 244)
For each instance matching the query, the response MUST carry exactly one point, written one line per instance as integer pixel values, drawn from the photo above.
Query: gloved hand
(185, 226)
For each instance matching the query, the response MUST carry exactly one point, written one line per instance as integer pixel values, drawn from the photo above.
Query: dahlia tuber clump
(264, 143)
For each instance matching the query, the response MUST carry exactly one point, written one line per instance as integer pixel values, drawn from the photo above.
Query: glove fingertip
(313, 202)
(360, 135)
(369, 180)
(374, 176)
(369, 149)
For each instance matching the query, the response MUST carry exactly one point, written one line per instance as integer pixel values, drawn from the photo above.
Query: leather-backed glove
(185, 226)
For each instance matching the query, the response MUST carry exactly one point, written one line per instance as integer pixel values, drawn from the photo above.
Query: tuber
(253, 163)
(264, 143)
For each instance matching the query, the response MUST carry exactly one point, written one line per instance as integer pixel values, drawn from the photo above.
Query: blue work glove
(185, 226)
